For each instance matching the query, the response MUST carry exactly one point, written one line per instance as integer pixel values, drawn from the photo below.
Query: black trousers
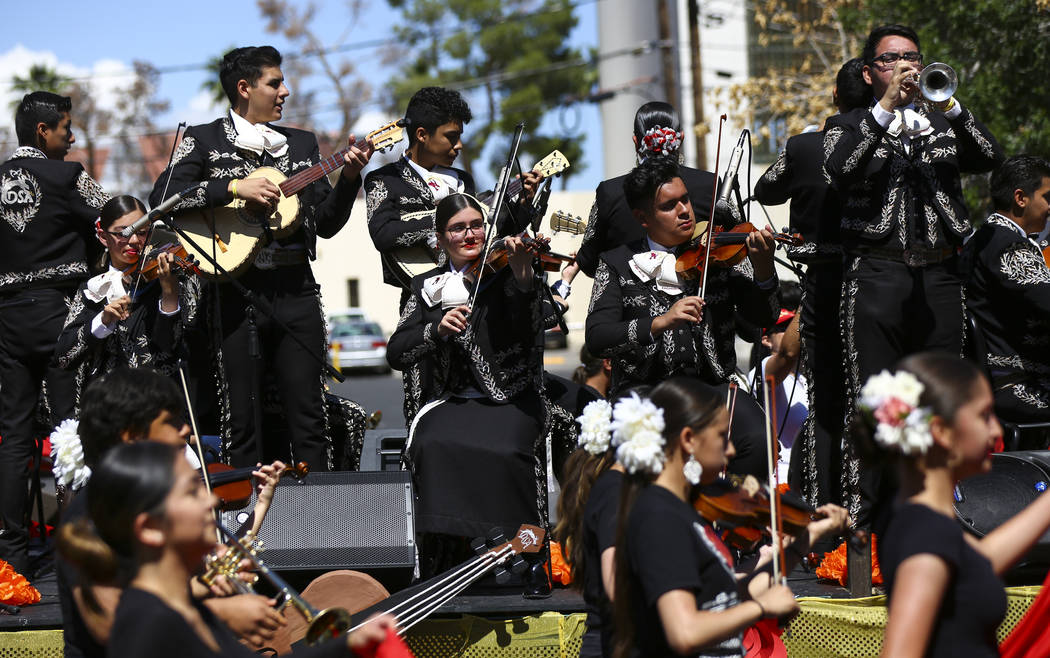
(890, 311)
(817, 456)
(296, 372)
(30, 323)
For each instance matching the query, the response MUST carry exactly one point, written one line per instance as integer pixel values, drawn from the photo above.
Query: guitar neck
(294, 184)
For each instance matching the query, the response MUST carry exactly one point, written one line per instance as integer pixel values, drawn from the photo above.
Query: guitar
(407, 262)
(414, 604)
(563, 222)
(236, 231)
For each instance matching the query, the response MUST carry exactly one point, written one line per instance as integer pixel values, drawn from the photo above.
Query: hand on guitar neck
(356, 157)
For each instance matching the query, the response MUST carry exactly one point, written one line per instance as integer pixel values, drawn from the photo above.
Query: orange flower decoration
(833, 566)
(562, 571)
(14, 588)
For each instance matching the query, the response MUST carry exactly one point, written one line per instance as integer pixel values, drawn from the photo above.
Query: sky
(100, 40)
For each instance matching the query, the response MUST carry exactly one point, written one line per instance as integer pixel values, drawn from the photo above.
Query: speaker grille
(338, 520)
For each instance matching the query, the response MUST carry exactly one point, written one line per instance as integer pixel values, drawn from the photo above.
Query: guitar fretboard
(294, 184)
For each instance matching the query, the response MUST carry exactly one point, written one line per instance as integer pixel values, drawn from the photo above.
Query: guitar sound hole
(250, 216)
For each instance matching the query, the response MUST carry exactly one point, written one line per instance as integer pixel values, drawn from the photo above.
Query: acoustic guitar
(233, 234)
(407, 262)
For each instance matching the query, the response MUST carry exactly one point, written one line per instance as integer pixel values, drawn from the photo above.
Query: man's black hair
(1021, 172)
(245, 64)
(124, 400)
(39, 107)
(431, 107)
(853, 92)
(883, 31)
(641, 184)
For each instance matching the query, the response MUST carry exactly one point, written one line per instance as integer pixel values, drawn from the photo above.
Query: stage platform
(509, 625)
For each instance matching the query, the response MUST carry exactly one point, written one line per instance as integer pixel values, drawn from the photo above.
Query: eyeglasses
(141, 233)
(889, 59)
(460, 229)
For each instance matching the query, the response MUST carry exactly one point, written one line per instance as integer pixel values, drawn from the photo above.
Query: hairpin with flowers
(637, 433)
(890, 401)
(67, 455)
(595, 427)
(660, 140)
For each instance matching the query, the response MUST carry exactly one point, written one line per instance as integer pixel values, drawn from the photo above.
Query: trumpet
(323, 624)
(937, 82)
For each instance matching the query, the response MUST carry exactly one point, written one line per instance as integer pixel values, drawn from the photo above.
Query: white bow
(108, 285)
(657, 266)
(258, 137)
(448, 289)
(910, 122)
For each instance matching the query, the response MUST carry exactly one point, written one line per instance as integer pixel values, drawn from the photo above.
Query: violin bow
(711, 214)
(197, 443)
(149, 233)
(776, 519)
(499, 197)
(731, 393)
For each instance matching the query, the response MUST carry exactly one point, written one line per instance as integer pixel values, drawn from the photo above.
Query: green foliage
(511, 54)
(41, 77)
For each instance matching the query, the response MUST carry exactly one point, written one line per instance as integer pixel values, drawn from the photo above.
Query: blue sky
(99, 40)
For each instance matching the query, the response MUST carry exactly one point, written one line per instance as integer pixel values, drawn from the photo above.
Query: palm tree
(41, 77)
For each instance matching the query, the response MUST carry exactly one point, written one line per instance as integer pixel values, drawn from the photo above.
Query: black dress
(76, 638)
(475, 447)
(600, 520)
(670, 547)
(145, 626)
(974, 603)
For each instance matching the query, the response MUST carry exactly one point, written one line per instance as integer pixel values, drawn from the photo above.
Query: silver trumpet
(938, 82)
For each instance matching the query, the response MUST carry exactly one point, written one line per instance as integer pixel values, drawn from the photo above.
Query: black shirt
(145, 626)
(600, 520)
(975, 602)
(75, 635)
(669, 547)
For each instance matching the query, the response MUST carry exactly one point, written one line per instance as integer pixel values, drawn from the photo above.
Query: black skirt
(473, 463)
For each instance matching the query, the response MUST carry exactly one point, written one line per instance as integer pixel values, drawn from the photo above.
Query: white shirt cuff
(99, 330)
(881, 116)
(955, 111)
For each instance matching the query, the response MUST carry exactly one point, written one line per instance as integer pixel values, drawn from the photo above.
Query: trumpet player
(897, 167)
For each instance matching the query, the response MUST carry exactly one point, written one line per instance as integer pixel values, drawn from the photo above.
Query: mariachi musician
(488, 366)
(118, 317)
(222, 154)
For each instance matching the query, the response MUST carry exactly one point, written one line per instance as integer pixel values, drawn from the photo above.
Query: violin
(148, 266)
(539, 247)
(741, 508)
(233, 486)
(728, 248)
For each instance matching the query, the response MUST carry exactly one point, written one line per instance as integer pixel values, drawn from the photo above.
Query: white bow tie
(108, 285)
(910, 122)
(259, 137)
(448, 289)
(657, 266)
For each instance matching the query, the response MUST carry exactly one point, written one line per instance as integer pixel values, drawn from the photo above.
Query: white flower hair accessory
(67, 455)
(660, 140)
(595, 426)
(891, 403)
(638, 427)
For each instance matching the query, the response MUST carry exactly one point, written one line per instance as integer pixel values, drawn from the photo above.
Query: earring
(692, 470)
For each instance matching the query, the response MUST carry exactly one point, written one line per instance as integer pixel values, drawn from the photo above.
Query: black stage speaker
(985, 501)
(337, 520)
(382, 449)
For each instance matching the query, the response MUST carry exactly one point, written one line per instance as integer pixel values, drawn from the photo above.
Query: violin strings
(711, 215)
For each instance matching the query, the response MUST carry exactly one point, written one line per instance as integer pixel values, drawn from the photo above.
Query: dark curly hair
(431, 107)
(641, 184)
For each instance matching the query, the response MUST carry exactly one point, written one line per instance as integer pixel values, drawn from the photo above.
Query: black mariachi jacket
(622, 309)
(798, 174)
(207, 154)
(897, 199)
(392, 191)
(611, 223)
(1008, 293)
(48, 208)
(146, 338)
(500, 353)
